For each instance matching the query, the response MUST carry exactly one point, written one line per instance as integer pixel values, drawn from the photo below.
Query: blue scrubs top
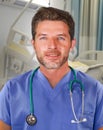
(52, 106)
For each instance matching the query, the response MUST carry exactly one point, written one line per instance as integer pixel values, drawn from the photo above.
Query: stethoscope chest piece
(31, 119)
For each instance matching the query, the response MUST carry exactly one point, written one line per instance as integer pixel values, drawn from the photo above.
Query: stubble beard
(52, 64)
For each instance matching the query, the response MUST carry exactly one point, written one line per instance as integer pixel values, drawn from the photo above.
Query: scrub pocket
(88, 125)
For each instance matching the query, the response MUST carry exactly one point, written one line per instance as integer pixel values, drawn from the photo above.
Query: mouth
(52, 56)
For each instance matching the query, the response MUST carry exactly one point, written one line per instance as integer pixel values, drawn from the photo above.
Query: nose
(52, 44)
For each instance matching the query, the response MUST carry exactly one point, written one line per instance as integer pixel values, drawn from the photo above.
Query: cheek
(65, 50)
(40, 50)
(39, 47)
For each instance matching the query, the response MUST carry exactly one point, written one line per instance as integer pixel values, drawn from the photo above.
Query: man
(54, 96)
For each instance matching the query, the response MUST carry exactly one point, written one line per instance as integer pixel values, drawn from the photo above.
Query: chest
(52, 108)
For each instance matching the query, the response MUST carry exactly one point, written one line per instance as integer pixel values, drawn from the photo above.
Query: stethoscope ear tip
(84, 120)
(73, 121)
(79, 121)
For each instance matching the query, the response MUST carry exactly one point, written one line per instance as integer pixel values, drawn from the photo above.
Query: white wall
(8, 16)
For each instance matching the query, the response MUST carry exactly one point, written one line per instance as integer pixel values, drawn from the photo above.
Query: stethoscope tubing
(30, 92)
(31, 118)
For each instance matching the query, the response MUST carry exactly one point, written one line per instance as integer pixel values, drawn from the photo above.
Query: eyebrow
(44, 34)
(41, 34)
(61, 34)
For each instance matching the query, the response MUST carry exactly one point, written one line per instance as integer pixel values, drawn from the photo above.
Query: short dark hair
(54, 14)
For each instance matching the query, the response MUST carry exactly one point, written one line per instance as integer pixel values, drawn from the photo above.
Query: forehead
(51, 26)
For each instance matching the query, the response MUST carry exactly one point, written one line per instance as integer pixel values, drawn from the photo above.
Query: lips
(52, 55)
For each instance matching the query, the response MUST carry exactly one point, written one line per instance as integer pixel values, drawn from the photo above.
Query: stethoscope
(82, 119)
(31, 119)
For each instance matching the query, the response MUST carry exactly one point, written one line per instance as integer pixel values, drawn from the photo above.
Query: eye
(42, 38)
(61, 38)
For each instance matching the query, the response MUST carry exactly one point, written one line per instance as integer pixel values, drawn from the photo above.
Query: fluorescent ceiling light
(40, 2)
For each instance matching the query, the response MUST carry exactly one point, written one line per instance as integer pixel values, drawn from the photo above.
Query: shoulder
(18, 81)
(21, 77)
(89, 81)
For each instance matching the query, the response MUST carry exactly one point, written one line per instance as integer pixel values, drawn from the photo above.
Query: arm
(4, 126)
(4, 109)
(99, 107)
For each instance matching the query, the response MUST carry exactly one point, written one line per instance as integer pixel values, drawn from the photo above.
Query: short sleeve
(98, 123)
(5, 104)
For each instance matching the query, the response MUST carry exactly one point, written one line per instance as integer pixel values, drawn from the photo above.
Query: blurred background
(16, 52)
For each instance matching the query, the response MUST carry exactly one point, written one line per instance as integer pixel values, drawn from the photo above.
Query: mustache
(52, 52)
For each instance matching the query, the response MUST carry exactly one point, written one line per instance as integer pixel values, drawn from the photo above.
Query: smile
(52, 56)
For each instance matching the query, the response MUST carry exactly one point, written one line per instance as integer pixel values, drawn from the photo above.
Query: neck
(55, 75)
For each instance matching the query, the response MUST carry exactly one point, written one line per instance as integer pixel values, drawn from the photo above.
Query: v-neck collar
(53, 92)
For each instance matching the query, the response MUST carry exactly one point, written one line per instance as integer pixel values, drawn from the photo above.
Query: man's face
(52, 43)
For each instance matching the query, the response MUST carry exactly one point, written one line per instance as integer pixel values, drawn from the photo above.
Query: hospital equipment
(76, 120)
(92, 61)
(31, 118)
(18, 55)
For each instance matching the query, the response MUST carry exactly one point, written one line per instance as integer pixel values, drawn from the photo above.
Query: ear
(73, 44)
(33, 43)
